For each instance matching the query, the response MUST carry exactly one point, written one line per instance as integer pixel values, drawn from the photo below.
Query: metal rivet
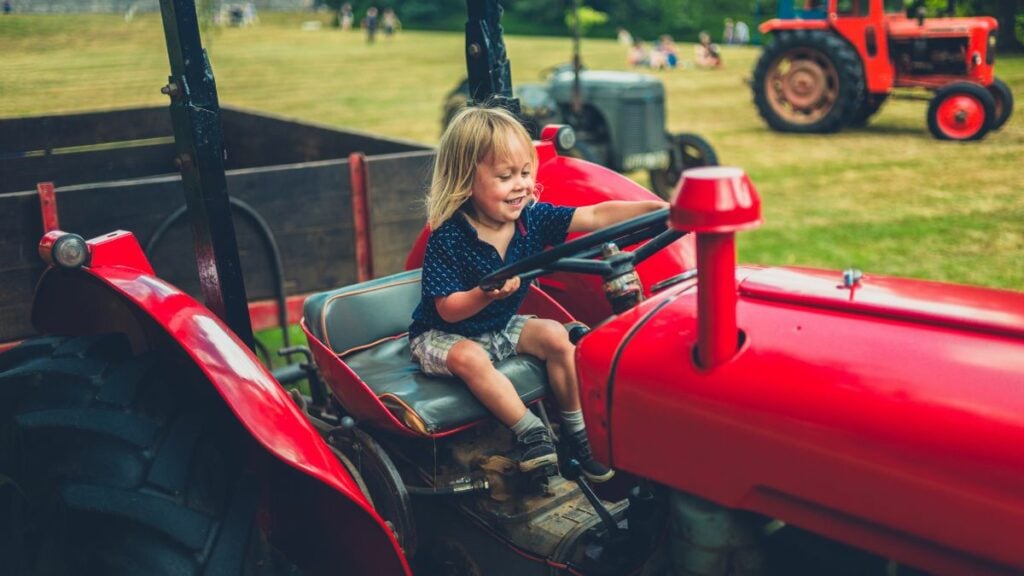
(171, 90)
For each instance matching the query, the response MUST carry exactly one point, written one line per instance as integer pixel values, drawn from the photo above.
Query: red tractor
(763, 420)
(821, 74)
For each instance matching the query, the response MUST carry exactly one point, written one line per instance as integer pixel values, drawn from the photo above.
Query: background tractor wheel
(117, 464)
(688, 151)
(961, 111)
(455, 100)
(1003, 98)
(808, 81)
(869, 105)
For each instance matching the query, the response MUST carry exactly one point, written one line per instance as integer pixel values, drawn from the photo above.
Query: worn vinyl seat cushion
(366, 325)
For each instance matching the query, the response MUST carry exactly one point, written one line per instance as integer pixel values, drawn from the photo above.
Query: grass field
(887, 198)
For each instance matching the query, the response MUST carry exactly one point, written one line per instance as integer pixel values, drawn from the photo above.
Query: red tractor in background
(823, 74)
(763, 420)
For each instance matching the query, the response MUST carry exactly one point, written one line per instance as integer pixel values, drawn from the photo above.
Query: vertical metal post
(717, 331)
(198, 136)
(360, 180)
(577, 62)
(487, 62)
(48, 206)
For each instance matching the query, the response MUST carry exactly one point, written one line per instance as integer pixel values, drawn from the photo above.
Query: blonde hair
(473, 135)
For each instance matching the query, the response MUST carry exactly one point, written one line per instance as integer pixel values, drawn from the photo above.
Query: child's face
(503, 186)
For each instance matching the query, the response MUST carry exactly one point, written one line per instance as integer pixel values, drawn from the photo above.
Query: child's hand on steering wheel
(507, 289)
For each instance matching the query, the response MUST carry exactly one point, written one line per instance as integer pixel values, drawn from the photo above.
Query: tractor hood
(900, 26)
(602, 83)
(891, 407)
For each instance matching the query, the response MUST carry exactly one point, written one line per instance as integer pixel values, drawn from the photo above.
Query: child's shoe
(579, 448)
(536, 450)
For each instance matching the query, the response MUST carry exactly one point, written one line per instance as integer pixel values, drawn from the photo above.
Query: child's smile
(502, 187)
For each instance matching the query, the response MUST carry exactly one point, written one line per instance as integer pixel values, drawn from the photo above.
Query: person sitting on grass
(707, 54)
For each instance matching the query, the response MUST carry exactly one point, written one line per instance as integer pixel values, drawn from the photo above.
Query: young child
(483, 214)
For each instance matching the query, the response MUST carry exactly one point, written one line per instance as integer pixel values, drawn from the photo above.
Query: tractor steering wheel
(579, 255)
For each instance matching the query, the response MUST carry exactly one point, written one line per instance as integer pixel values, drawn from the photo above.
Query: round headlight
(70, 251)
(565, 139)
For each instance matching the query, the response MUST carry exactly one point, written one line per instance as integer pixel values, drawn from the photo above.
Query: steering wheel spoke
(581, 265)
(585, 254)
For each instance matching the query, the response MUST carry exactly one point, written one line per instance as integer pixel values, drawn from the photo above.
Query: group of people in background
(664, 55)
(374, 19)
(735, 32)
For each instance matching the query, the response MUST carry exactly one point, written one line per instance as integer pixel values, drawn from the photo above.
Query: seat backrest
(356, 316)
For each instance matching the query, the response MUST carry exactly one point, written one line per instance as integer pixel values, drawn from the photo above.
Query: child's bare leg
(495, 391)
(468, 361)
(548, 340)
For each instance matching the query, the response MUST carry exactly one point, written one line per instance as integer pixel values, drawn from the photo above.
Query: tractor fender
(119, 292)
(777, 24)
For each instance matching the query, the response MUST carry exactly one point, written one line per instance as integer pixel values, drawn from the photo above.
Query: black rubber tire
(1003, 97)
(381, 482)
(869, 106)
(117, 464)
(688, 151)
(456, 100)
(974, 129)
(585, 151)
(824, 51)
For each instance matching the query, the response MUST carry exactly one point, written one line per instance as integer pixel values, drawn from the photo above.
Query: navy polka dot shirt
(456, 259)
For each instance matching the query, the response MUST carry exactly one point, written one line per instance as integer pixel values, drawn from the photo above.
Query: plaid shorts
(431, 348)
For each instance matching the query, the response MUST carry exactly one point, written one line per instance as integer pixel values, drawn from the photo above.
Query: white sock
(528, 422)
(573, 421)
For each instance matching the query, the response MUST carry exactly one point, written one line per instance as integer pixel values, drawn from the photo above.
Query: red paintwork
(571, 182)
(364, 405)
(976, 29)
(961, 116)
(263, 313)
(260, 403)
(360, 181)
(889, 416)
(881, 74)
(48, 206)
(715, 199)
(715, 202)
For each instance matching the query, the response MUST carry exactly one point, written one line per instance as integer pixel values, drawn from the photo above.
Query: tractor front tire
(117, 464)
(808, 81)
(687, 151)
(1003, 98)
(961, 111)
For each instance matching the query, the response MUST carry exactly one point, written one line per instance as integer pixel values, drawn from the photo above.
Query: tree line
(684, 19)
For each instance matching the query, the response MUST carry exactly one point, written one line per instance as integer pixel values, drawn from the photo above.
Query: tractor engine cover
(888, 414)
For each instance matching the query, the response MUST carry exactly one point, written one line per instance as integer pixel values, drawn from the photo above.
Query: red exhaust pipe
(715, 202)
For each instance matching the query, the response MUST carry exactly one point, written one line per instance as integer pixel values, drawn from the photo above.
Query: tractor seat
(366, 326)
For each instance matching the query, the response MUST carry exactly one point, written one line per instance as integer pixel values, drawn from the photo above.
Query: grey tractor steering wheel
(579, 255)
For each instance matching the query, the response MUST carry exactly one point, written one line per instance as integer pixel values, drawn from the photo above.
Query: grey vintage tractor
(620, 122)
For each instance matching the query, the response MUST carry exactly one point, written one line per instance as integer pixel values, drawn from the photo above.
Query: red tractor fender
(776, 24)
(567, 181)
(118, 291)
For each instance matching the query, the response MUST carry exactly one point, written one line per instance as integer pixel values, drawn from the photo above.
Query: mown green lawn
(887, 198)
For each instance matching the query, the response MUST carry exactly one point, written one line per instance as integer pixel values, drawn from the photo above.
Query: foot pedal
(537, 481)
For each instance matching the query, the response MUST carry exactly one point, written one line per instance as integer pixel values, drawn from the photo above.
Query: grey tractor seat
(367, 324)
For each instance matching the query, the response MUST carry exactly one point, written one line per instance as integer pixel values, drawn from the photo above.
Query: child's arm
(597, 216)
(458, 306)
